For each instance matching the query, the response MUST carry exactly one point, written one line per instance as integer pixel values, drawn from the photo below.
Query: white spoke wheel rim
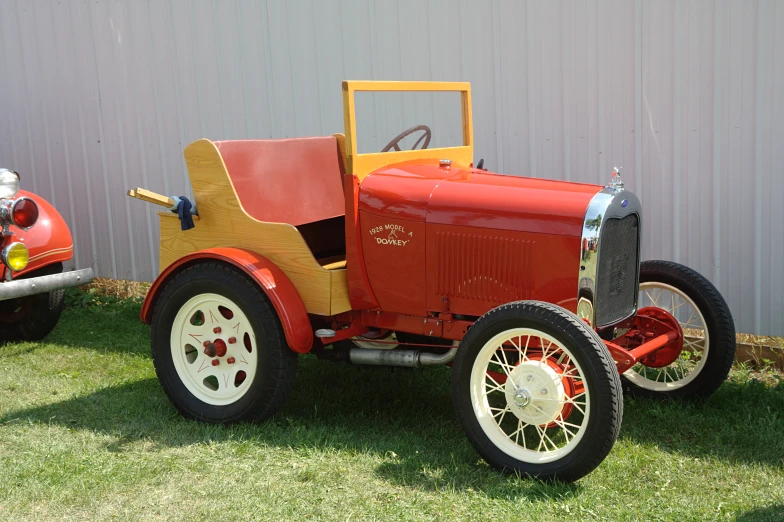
(222, 321)
(524, 416)
(692, 359)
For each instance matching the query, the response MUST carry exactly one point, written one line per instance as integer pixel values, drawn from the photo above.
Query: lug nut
(216, 330)
(230, 360)
(215, 362)
(232, 340)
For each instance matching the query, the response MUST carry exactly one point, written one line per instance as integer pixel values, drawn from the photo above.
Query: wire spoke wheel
(696, 342)
(529, 395)
(708, 334)
(536, 391)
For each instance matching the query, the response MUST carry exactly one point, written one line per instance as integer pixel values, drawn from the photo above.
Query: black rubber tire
(601, 378)
(43, 316)
(718, 319)
(277, 363)
(43, 310)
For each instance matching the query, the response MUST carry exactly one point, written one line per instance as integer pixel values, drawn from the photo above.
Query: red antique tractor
(35, 244)
(533, 290)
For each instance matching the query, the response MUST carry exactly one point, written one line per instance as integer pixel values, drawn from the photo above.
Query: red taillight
(24, 213)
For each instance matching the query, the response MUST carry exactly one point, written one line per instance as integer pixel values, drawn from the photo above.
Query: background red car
(36, 243)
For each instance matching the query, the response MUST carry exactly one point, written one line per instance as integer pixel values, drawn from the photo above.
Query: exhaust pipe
(407, 358)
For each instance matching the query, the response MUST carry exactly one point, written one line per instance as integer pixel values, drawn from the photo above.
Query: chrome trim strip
(613, 202)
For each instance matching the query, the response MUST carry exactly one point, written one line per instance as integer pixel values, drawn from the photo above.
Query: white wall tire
(709, 334)
(252, 371)
(551, 412)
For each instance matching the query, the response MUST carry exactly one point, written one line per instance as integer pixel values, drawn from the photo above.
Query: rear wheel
(218, 346)
(536, 391)
(708, 331)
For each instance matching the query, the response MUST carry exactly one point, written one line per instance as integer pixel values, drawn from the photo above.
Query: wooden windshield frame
(361, 165)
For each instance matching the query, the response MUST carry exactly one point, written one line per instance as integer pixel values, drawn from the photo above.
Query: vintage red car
(36, 243)
(532, 289)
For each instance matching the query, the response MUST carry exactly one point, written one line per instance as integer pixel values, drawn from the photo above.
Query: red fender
(278, 287)
(48, 240)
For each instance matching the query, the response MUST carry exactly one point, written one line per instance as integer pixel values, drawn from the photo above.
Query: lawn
(87, 433)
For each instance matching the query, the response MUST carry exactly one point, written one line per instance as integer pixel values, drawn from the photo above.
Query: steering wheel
(396, 140)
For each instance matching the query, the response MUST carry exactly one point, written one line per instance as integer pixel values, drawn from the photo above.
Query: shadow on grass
(403, 417)
(406, 417)
(772, 513)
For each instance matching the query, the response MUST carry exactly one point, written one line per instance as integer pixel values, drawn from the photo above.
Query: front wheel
(33, 317)
(536, 391)
(218, 346)
(708, 334)
(43, 315)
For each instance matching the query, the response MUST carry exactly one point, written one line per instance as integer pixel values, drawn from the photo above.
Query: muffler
(407, 358)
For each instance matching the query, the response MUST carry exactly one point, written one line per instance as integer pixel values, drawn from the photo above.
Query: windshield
(397, 121)
(392, 122)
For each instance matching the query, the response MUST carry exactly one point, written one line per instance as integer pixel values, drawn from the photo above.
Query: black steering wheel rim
(396, 140)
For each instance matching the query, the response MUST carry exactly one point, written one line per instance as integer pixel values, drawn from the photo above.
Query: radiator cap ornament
(616, 183)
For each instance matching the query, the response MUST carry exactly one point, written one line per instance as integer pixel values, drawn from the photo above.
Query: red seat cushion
(295, 181)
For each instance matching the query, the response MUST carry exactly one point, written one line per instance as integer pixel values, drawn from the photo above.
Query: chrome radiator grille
(616, 277)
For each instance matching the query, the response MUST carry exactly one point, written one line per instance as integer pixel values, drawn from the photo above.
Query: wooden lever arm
(151, 197)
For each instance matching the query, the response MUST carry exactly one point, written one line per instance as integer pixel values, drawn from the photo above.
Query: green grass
(86, 433)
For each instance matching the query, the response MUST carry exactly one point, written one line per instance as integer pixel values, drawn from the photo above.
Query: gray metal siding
(100, 96)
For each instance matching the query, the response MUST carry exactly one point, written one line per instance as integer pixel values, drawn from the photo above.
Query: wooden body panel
(224, 223)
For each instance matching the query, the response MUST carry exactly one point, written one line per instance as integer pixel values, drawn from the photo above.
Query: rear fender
(276, 285)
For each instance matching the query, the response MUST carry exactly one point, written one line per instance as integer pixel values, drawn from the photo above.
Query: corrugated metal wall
(99, 96)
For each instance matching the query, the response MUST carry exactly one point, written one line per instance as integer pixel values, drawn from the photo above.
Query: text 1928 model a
(532, 289)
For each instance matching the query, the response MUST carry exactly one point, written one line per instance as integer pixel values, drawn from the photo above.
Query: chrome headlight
(9, 183)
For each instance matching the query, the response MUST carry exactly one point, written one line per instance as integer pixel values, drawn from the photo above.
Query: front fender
(276, 285)
(48, 241)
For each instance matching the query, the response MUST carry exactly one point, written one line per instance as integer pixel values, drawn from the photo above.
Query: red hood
(476, 198)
